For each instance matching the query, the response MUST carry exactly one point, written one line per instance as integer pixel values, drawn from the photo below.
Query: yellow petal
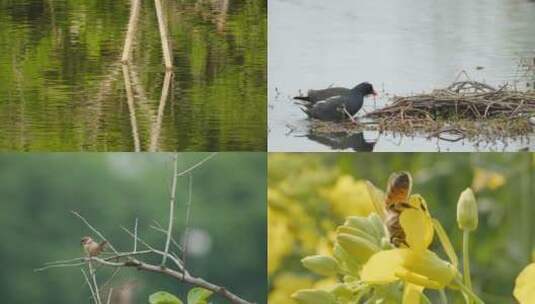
(412, 294)
(416, 279)
(428, 265)
(446, 243)
(418, 202)
(418, 228)
(525, 285)
(377, 198)
(381, 267)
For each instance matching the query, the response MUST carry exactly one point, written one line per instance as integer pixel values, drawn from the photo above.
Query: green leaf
(162, 297)
(199, 295)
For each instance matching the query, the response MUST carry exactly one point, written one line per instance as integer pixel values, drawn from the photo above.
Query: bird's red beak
(375, 93)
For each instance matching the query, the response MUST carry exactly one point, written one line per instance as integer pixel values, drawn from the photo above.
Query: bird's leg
(349, 115)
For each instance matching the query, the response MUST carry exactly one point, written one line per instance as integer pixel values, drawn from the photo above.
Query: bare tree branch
(197, 164)
(171, 209)
(178, 276)
(173, 241)
(95, 231)
(93, 275)
(90, 286)
(135, 233)
(109, 296)
(188, 213)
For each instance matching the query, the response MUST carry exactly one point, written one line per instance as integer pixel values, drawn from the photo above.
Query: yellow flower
(412, 294)
(487, 179)
(349, 197)
(280, 239)
(525, 285)
(285, 284)
(417, 266)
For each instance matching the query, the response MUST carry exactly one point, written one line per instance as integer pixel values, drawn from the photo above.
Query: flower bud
(357, 247)
(321, 264)
(345, 261)
(467, 217)
(313, 296)
(361, 223)
(342, 292)
(355, 232)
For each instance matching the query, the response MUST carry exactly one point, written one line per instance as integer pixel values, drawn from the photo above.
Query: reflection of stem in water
(131, 109)
(156, 127)
(19, 80)
(222, 18)
(93, 109)
(163, 35)
(134, 14)
(142, 100)
(53, 21)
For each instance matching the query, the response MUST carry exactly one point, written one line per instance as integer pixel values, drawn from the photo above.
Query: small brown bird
(91, 247)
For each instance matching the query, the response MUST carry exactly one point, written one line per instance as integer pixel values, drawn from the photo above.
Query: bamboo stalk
(134, 16)
(163, 35)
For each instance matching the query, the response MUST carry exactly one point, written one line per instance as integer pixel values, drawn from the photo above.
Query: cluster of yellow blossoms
(356, 260)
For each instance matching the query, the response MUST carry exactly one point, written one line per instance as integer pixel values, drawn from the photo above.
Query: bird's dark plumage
(336, 107)
(314, 96)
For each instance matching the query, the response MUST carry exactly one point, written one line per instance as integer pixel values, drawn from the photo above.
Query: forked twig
(171, 209)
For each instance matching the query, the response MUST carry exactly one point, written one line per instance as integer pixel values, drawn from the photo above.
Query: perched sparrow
(91, 247)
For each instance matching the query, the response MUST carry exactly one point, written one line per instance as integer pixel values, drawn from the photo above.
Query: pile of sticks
(461, 102)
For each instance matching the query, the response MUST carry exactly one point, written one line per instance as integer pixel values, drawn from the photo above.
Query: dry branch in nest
(466, 107)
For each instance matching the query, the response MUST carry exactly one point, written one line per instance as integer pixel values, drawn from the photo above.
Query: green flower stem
(426, 299)
(467, 291)
(443, 297)
(466, 260)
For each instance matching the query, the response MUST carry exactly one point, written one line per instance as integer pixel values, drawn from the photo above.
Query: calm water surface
(401, 48)
(62, 87)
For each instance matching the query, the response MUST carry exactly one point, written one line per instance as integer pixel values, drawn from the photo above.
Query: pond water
(62, 87)
(399, 47)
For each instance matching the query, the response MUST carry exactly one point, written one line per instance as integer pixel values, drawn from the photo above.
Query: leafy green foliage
(199, 295)
(163, 297)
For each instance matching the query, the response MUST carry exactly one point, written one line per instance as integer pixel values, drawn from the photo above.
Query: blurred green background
(303, 188)
(228, 220)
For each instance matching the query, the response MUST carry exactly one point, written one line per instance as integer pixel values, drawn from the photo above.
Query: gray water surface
(401, 47)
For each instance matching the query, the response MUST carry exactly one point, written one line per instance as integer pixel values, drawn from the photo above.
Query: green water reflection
(62, 87)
